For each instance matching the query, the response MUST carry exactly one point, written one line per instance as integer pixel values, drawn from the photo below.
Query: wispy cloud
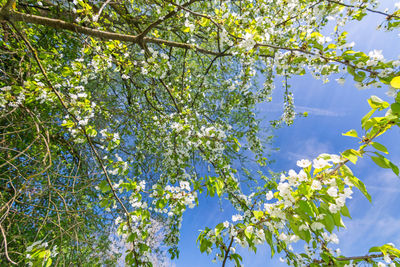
(320, 111)
(276, 107)
(309, 149)
(377, 223)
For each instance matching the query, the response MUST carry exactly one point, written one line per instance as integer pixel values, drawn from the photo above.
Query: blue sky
(333, 109)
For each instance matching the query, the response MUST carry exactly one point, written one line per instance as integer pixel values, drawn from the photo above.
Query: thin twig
(389, 16)
(5, 245)
(101, 10)
(227, 252)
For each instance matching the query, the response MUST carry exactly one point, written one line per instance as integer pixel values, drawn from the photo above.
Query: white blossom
(333, 191)
(237, 217)
(269, 195)
(333, 208)
(315, 226)
(226, 224)
(387, 258)
(316, 185)
(320, 163)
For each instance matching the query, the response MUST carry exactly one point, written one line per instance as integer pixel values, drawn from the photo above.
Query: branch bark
(11, 15)
(364, 258)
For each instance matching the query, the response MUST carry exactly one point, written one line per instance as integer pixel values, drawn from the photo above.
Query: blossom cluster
(304, 205)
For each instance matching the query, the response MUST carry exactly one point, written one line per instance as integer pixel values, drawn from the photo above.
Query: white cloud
(275, 107)
(377, 223)
(319, 111)
(310, 149)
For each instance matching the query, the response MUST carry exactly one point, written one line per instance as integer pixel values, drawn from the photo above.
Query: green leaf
(331, 46)
(68, 124)
(199, 238)
(204, 22)
(377, 103)
(374, 249)
(346, 171)
(361, 186)
(306, 236)
(294, 225)
(268, 238)
(218, 229)
(394, 168)
(329, 222)
(338, 220)
(366, 118)
(91, 132)
(381, 161)
(395, 82)
(306, 208)
(352, 133)
(237, 258)
(359, 76)
(351, 155)
(388, 248)
(380, 147)
(349, 68)
(219, 186)
(395, 107)
(237, 142)
(325, 257)
(104, 203)
(104, 187)
(248, 234)
(204, 244)
(359, 14)
(258, 214)
(44, 254)
(345, 211)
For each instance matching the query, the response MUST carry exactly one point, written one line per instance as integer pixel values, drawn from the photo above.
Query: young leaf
(351, 155)
(395, 82)
(377, 103)
(352, 133)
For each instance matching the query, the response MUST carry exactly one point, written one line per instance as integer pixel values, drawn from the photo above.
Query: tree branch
(388, 16)
(364, 258)
(227, 252)
(5, 245)
(14, 16)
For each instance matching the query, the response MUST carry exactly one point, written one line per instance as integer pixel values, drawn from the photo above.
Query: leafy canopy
(116, 115)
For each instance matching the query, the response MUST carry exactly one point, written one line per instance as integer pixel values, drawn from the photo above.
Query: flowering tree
(116, 115)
